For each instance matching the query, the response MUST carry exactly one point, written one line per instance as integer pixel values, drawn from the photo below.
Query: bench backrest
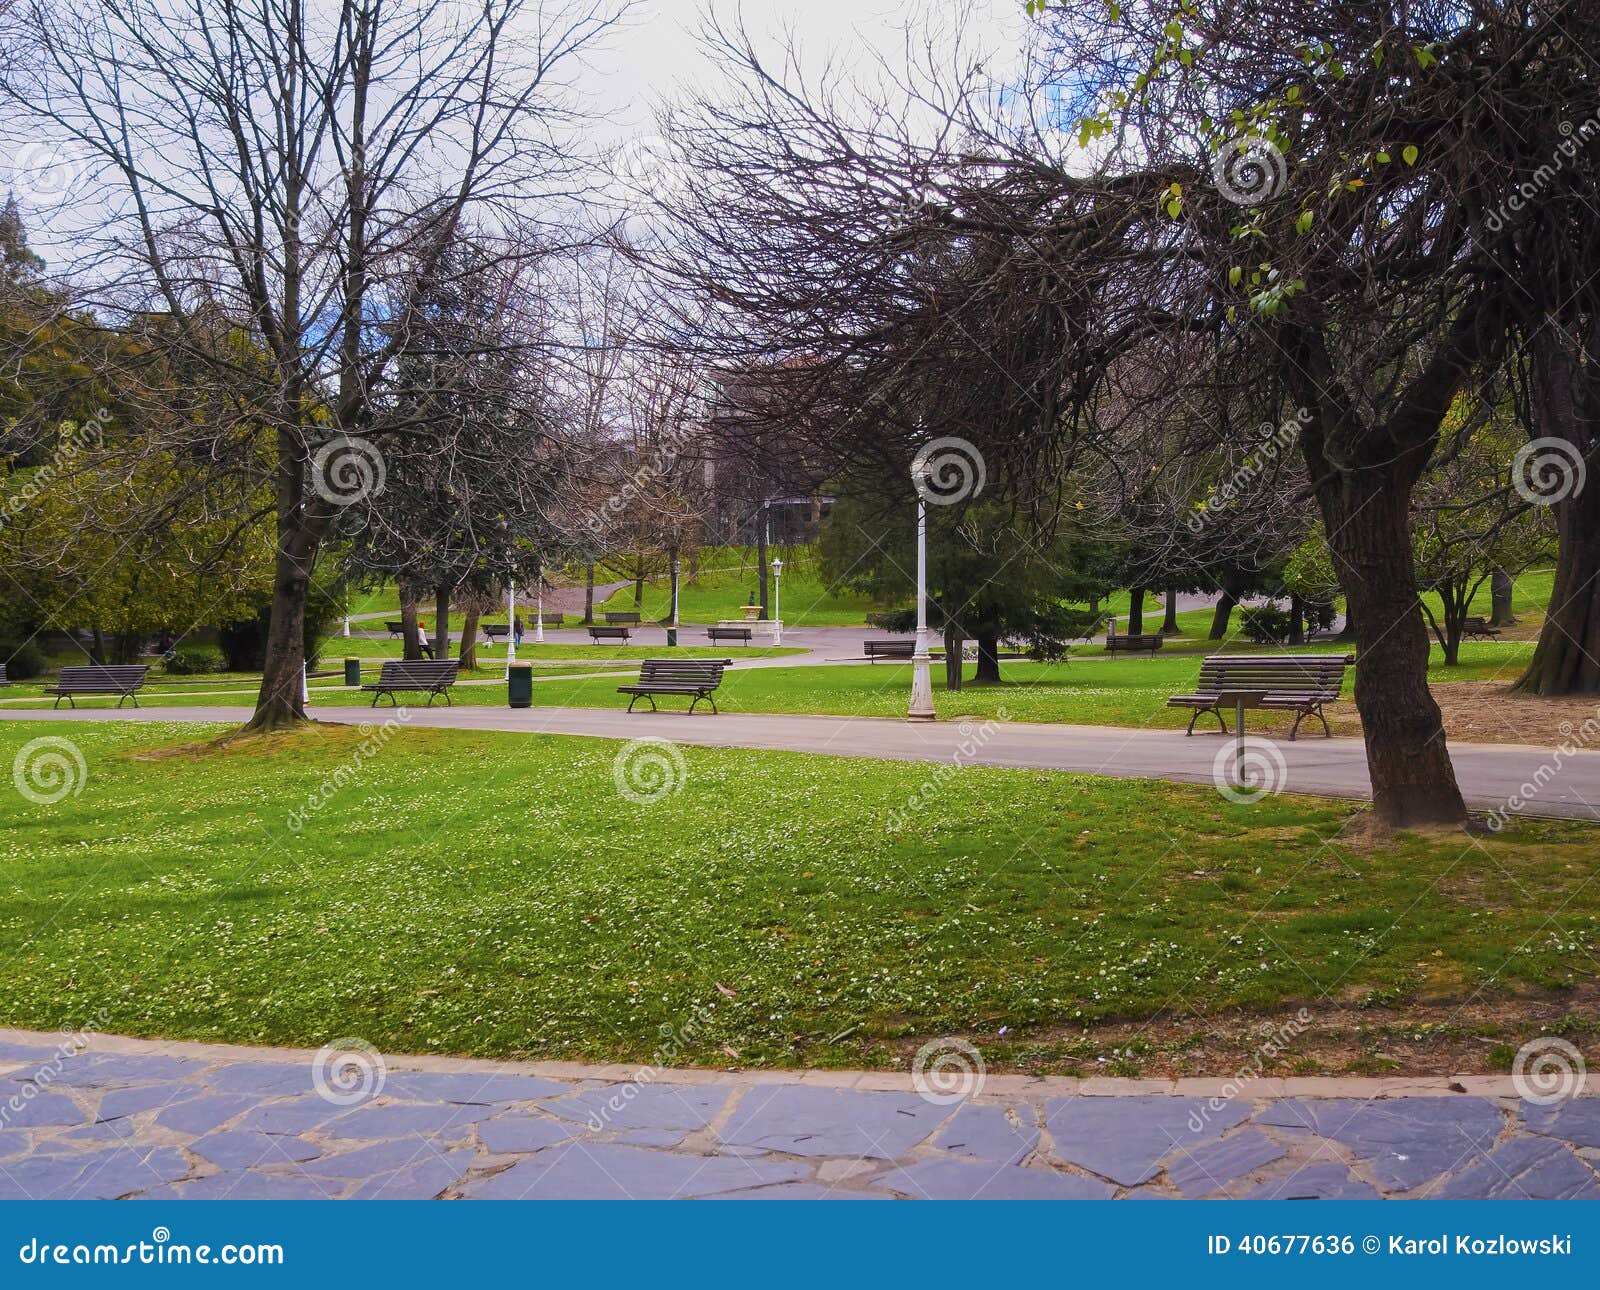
(888, 647)
(627, 617)
(1276, 673)
(495, 629)
(608, 631)
(3, 680)
(395, 627)
(552, 620)
(685, 671)
(117, 677)
(729, 631)
(421, 675)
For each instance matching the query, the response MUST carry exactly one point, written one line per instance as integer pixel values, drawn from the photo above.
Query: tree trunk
(953, 643)
(469, 640)
(588, 594)
(988, 671)
(1566, 406)
(441, 629)
(1136, 611)
(410, 641)
(1347, 632)
(1223, 614)
(1413, 781)
(97, 646)
(1297, 621)
(281, 702)
(1169, 624)
(638, 587)
(1501, 589)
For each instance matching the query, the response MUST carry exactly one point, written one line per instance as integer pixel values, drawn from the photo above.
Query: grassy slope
(496, 895)
(804, 600)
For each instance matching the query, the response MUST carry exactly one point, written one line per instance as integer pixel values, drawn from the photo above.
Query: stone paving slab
(141, 1119)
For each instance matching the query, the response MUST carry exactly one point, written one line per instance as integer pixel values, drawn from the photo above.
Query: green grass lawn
(496, 895)
(804, 600)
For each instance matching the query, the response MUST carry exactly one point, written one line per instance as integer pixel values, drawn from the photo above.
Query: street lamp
(511, 626)
(777, 604)
(921, 708)
(538, 609)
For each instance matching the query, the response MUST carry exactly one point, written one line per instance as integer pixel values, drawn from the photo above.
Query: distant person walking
(422, 638)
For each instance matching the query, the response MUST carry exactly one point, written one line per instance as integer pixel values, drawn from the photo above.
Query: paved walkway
(1490, 774)
(133, 1118)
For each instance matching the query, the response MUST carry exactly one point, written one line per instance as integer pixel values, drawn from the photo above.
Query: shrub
(193, 662)
(1266, 624)
(23, 662)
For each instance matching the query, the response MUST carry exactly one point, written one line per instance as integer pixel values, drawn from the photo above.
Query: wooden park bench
(494, 631)
(1480, 629)
(1148, 642)
(598, 634)
(696, 676)
(552, 620)
(122, 680)
(1300, 683)
(874, 650)
(628, 618)
(394, 629)
(4, 679)
(434, 678)
(741, 634)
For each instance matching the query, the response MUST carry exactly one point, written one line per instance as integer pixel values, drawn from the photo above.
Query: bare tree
(279, 179)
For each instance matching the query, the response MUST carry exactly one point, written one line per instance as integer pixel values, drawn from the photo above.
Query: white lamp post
(538, 610)
(777, 604)
(921, 708)
(511, 626)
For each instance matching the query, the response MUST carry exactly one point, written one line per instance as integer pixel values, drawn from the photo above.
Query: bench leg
(1200, 712)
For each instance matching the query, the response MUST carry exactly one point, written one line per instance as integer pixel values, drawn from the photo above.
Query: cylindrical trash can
(519, 685)
(352, 672)
(672, 637)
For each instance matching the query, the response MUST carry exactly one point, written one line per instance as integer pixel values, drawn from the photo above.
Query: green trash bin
(672, 637)
(352, 672)
(519, 685)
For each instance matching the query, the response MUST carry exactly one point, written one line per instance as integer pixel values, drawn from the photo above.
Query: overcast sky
(657, 52)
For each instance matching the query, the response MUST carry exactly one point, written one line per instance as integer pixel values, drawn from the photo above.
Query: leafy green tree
(991, 578)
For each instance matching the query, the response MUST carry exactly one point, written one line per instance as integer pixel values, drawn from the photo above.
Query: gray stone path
(139, 1119)
(1564, 786)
